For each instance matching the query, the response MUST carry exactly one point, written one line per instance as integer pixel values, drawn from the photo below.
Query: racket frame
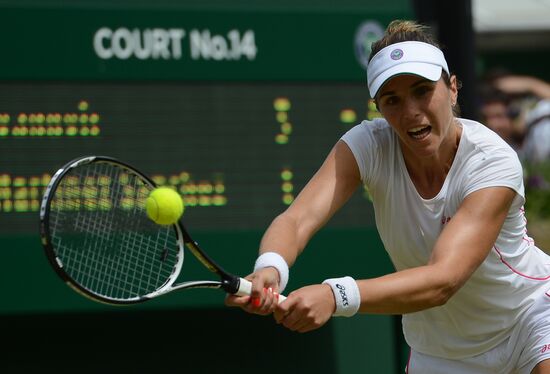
(228, 282)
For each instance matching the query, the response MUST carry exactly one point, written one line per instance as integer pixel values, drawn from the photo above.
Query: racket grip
(245, 289)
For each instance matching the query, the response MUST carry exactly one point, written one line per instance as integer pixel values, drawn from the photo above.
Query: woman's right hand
(264, 296)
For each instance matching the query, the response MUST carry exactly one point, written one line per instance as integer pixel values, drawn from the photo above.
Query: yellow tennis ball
(164, 206)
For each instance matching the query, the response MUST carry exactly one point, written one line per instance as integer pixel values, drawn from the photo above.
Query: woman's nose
(410, 108)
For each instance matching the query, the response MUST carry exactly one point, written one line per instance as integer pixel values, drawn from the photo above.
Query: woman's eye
(422, 90)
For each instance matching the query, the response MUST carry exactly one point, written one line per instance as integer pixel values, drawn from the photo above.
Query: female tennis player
(473, 288)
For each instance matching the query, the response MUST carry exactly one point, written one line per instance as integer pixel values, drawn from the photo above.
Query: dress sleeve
(501, 168)
(364, 144)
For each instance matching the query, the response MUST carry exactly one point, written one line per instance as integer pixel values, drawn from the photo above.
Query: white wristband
(346, 294)
(275, 260)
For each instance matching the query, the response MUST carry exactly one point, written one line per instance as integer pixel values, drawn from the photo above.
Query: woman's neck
(428, 173)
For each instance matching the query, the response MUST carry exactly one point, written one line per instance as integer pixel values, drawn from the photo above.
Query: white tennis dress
(515, 273)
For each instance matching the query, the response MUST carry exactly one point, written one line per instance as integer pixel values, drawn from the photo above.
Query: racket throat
(237, 286)
(231, 285)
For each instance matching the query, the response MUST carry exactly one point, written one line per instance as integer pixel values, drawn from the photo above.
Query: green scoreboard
(234, 109)
(234, 106)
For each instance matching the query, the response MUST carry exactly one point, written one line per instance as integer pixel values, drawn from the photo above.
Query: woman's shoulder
(376, 130)
(376, 124)
(372, 143)
(486, 160)
(483, 149)
(484, 140)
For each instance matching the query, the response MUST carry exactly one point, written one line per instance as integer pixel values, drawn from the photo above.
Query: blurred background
(235, 106)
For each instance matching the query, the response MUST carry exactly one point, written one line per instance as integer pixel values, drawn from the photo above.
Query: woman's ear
(454, 89)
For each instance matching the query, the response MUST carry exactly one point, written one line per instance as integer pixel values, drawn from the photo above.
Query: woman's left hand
(307, 308)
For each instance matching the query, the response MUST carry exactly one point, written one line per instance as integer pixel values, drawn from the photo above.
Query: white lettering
(158, 43)
(142, 49)
(218, 47)
(248, 45)
(198, 47)
(143, 44)
(122, 43)
(99, 47)
(176, 36)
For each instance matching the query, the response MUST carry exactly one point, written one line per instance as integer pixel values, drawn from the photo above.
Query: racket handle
(245, 289)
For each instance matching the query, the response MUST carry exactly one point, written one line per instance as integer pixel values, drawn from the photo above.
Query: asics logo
(343, 295)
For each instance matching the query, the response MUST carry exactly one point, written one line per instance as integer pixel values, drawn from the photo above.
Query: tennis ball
(164, 206)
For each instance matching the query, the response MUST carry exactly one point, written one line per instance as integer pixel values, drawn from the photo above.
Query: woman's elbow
(445, 291)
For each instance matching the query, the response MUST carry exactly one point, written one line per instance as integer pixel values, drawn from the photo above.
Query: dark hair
(403, 31)
(488, 93)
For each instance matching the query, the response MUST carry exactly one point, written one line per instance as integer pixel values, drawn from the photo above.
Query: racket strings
(103, 237)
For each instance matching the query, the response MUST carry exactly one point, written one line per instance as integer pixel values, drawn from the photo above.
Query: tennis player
(473, 288)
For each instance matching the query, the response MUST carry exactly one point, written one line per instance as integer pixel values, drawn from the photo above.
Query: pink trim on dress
(517, 272)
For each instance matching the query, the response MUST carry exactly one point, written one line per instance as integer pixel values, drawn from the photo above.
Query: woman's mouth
(420, 132)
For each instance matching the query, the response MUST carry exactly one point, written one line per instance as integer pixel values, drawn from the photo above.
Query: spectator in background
(529, 105)
(522, 85)
(517, 108)
(536, 146)
(498, 115)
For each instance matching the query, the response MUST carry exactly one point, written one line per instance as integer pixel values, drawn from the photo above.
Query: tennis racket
(98, 238)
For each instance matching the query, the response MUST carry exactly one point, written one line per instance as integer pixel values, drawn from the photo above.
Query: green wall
(41, 316)
(521, 62)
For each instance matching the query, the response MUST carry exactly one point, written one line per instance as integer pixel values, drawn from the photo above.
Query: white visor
(416, 58)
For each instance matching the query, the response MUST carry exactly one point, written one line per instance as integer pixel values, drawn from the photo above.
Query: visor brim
(426, 70)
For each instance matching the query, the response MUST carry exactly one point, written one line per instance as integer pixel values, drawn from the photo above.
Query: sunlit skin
(410, 102)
